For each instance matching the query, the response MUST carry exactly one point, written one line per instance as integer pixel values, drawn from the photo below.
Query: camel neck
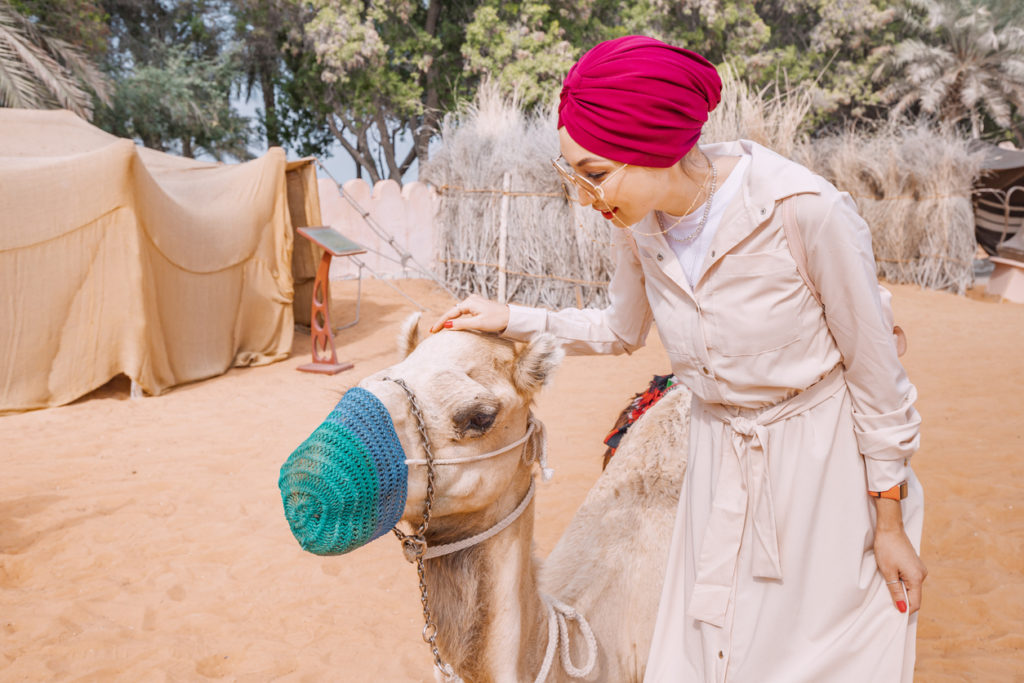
(492, 625)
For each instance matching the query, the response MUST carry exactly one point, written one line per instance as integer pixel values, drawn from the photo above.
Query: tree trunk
(422, 135)
(269, 107)
(360, 151)
(186, 147)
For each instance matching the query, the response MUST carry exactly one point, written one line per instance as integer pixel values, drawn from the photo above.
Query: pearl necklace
(703, 219)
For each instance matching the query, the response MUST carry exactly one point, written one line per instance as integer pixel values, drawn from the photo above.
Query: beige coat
(799, 409)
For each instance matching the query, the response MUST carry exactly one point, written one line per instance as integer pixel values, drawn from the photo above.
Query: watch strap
(897, 492)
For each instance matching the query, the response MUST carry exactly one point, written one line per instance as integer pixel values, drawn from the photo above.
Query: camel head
(474, 393)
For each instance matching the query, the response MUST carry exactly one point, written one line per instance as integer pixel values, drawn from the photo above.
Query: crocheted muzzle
(346, 484)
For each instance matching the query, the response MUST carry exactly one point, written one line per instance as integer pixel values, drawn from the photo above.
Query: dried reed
(775, 116)
(557, 253)
(911, 183)
(913, 186)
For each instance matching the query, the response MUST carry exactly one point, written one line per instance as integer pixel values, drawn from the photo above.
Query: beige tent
(120, 259)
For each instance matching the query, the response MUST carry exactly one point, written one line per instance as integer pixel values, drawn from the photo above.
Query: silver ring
(889, 583)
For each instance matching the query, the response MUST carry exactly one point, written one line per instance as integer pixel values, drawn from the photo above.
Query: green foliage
(521, 48)
(82, 23)
(388, 68)
(377, 75)
(835, 45)
(965, 67)
(182, 105)
(175, 67)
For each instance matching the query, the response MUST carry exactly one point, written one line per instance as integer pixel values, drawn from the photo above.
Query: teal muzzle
(346, 484)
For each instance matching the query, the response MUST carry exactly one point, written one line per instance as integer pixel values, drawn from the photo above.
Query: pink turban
(638, 100)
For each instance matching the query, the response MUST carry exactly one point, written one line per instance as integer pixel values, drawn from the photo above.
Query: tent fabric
(120, 259)
(304, 210)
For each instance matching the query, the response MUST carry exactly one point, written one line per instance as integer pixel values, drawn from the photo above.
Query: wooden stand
(325, 359)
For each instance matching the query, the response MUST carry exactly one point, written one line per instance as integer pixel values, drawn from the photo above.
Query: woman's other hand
(898, 562)
(475, 313)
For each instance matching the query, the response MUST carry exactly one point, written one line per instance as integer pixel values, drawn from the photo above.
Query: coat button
(763, 211)
(705, 370)
(721, 655)
(661, 257)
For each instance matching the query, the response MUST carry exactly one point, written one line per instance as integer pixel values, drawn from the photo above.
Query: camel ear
(536, 363)
(409, 334)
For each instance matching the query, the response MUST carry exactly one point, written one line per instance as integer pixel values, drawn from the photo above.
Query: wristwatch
(897, 492)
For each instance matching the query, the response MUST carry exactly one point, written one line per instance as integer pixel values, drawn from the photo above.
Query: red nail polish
(901, 606)
(448, 324)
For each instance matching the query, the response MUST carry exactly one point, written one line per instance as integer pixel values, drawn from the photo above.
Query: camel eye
(482, 421)
(475, 421)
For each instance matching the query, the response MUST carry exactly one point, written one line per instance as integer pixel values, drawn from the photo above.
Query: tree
(180, 104)
(380, 71)
(835, 45)
(967, 66)
(521, 47)
(385, 69)
(176, 68)
(39, 70)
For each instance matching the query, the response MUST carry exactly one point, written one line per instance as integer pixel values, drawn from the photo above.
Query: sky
(340, 164)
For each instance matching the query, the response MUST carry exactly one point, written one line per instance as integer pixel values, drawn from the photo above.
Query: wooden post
(506, 185)
(325, 359)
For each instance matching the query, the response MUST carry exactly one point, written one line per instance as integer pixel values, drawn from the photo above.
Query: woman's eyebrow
(588, 160)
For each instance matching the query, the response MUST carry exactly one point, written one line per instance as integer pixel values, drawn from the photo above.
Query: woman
(793, 556)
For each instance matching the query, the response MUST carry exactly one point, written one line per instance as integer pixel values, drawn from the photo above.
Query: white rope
(448, 548)
(558, 639)
(483, 456)
(549, 652)
(540, 451)
(559, 613)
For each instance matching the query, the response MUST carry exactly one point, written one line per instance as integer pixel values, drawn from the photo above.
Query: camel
(490, 602)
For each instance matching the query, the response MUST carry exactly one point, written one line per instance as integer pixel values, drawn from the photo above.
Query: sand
(143, 539)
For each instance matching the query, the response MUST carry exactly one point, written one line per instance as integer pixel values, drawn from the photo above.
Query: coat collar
(770, 177)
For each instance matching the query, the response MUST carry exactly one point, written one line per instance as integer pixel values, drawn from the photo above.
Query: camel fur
(475, 393)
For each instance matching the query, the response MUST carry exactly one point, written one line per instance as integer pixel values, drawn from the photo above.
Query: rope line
(574, 281)
(453, 189)
(376, 228)
(939, 257)
(482, 456)
(449, 548)
(559, 614)
(966, 195)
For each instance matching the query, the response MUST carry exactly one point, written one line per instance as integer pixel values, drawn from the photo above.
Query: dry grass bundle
(775, 116)
(913, 187)
(555, 251)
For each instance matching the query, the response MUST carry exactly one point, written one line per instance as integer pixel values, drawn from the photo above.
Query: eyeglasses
(593, 189)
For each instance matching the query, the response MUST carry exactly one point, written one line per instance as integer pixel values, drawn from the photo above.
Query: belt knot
(743, 425)
(744, 491)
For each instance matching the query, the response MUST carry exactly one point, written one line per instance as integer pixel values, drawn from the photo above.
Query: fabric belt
(744, 488)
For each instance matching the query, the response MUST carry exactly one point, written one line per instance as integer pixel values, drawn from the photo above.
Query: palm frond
(38, 72)
(17, 87)
(82, 68)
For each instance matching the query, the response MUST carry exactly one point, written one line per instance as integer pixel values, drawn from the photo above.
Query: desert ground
(144, 539)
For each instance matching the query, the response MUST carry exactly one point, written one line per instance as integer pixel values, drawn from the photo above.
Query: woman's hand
(898, 562)
(475, 313)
